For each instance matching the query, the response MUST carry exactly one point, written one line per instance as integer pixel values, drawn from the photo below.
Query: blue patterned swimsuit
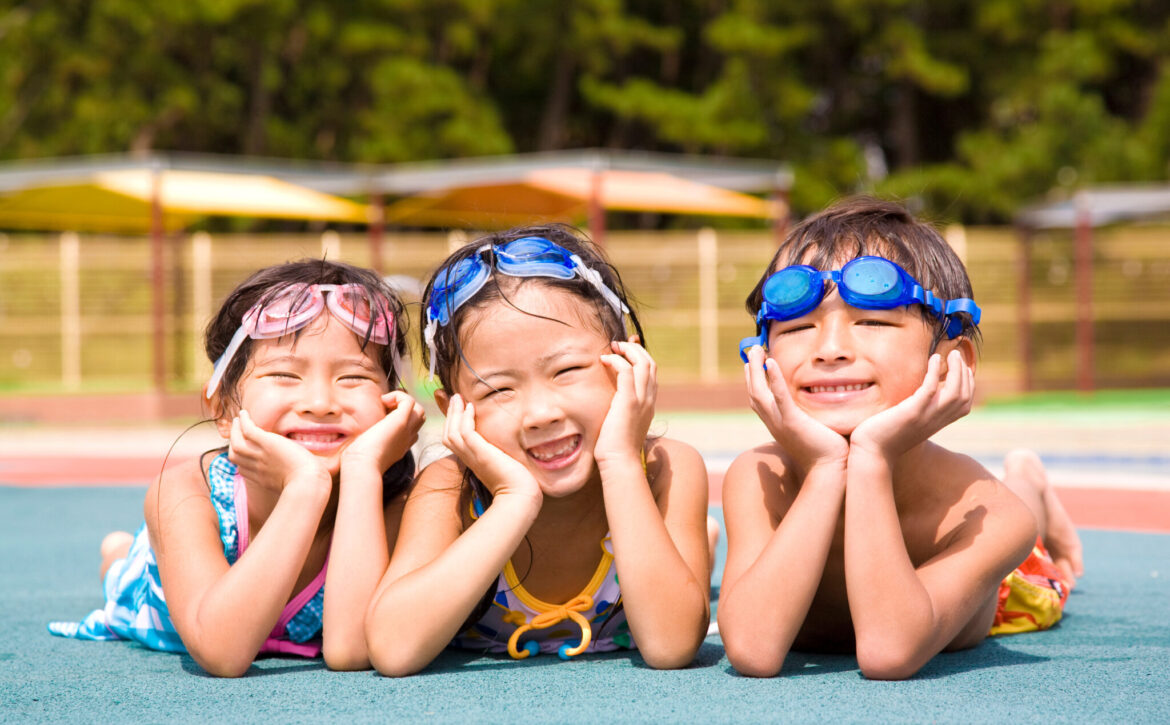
(137, 610)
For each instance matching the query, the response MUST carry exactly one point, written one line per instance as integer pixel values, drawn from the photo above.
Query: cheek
(495, 423)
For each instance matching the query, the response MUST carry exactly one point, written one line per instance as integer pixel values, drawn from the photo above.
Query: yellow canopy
(120, 201)
(565, 194)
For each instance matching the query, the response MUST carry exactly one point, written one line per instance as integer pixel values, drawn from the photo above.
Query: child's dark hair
(448, 350)
(866, 226)
(262, 286)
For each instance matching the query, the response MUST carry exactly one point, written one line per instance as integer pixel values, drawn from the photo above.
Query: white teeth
(547, 455)
(313, 437)
(837, 388)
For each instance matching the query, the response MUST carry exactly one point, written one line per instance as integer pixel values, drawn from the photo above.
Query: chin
(567, 483)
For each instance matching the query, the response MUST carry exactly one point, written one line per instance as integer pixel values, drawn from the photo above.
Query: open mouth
(555, 454)
(849, 388)
(316, 440)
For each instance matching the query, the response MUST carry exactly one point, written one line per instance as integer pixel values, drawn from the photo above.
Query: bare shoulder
(440, 474)
(177, 483)
(437, 489)
(977, 503)
(667, 455)
(672, 465)
(180, 498)
(760, 474)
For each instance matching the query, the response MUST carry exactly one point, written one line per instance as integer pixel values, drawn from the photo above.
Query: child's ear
(442, 400)
(965, 347)
(223, 421)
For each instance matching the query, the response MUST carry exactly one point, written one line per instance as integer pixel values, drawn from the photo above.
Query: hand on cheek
(270, 460)
(941, 399)
(623, 433)
(501, 473)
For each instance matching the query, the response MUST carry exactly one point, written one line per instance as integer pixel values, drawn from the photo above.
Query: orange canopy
(565, 194)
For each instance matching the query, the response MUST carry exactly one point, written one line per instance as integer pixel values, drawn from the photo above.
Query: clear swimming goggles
(297, 305)
(868, 283)
(524, 257)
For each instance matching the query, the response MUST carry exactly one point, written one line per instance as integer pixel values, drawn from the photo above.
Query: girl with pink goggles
(292, 308)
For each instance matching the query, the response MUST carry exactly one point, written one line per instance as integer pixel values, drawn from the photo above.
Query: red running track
(1096, 508)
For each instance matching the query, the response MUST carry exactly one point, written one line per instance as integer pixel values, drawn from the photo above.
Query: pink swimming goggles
(295, 306)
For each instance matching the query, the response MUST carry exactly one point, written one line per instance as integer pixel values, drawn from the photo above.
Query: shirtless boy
(852, 531)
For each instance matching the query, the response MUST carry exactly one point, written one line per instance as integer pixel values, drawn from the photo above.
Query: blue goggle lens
(454, 285)
(792, 291)
(877, 280)
(534, 257)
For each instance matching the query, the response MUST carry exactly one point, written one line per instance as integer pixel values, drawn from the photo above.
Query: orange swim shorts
(1032, 597)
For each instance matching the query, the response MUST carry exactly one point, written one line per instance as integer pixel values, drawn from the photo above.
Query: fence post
(956, 236)
(200, 302)
(708, 306)
(456, 238)
(70, 311)
(330, 245)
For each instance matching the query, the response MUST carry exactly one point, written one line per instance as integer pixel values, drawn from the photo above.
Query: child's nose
(541, 407)
(833, 339)
(318, 398)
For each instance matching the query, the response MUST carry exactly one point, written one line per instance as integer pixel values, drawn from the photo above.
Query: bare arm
(224, 613)
(904, 616)
(364, 530)
(773, 570)
(659, 537)
(438, 568)
(660, 550)
(780, 525)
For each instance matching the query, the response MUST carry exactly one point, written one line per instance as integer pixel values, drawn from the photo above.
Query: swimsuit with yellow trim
(522, 625)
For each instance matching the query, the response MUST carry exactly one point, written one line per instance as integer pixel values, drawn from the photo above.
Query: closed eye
(790, 330)
(495, 393)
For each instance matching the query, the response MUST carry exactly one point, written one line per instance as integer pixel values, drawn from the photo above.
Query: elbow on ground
(395, 663)
(752, 660)
(887, 666)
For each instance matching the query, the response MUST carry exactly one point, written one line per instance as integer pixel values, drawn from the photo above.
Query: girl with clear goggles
(867, 283)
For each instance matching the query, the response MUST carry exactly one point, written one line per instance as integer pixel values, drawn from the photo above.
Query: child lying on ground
(852, 531)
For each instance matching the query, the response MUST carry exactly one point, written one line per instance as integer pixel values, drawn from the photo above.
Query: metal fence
(75, 313)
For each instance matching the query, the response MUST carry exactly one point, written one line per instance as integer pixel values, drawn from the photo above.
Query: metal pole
(783, 213)
(70, 311)
(377, 228)
(1084, 292)
(597, 207)
(1024, 308)
(708, 306)
(158, 311)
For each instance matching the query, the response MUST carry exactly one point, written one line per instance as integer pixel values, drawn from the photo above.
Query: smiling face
(534, 373)
(318, 388)
(844, 364)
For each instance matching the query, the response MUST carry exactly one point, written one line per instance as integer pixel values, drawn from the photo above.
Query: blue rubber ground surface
(1109, 661)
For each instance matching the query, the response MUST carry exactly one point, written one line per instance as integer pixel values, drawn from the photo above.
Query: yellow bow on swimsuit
(569, 610)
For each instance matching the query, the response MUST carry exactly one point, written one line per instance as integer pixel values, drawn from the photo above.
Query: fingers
(645, 370)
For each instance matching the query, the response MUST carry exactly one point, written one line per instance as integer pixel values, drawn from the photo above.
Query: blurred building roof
(1103, 205)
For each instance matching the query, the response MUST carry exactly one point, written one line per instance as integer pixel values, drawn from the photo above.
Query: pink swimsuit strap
(276, 641)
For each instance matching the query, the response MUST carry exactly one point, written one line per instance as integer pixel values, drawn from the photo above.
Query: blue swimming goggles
(524, 257)
(868, 283)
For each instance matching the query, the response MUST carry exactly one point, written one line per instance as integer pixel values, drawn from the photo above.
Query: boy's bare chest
(828, 627)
